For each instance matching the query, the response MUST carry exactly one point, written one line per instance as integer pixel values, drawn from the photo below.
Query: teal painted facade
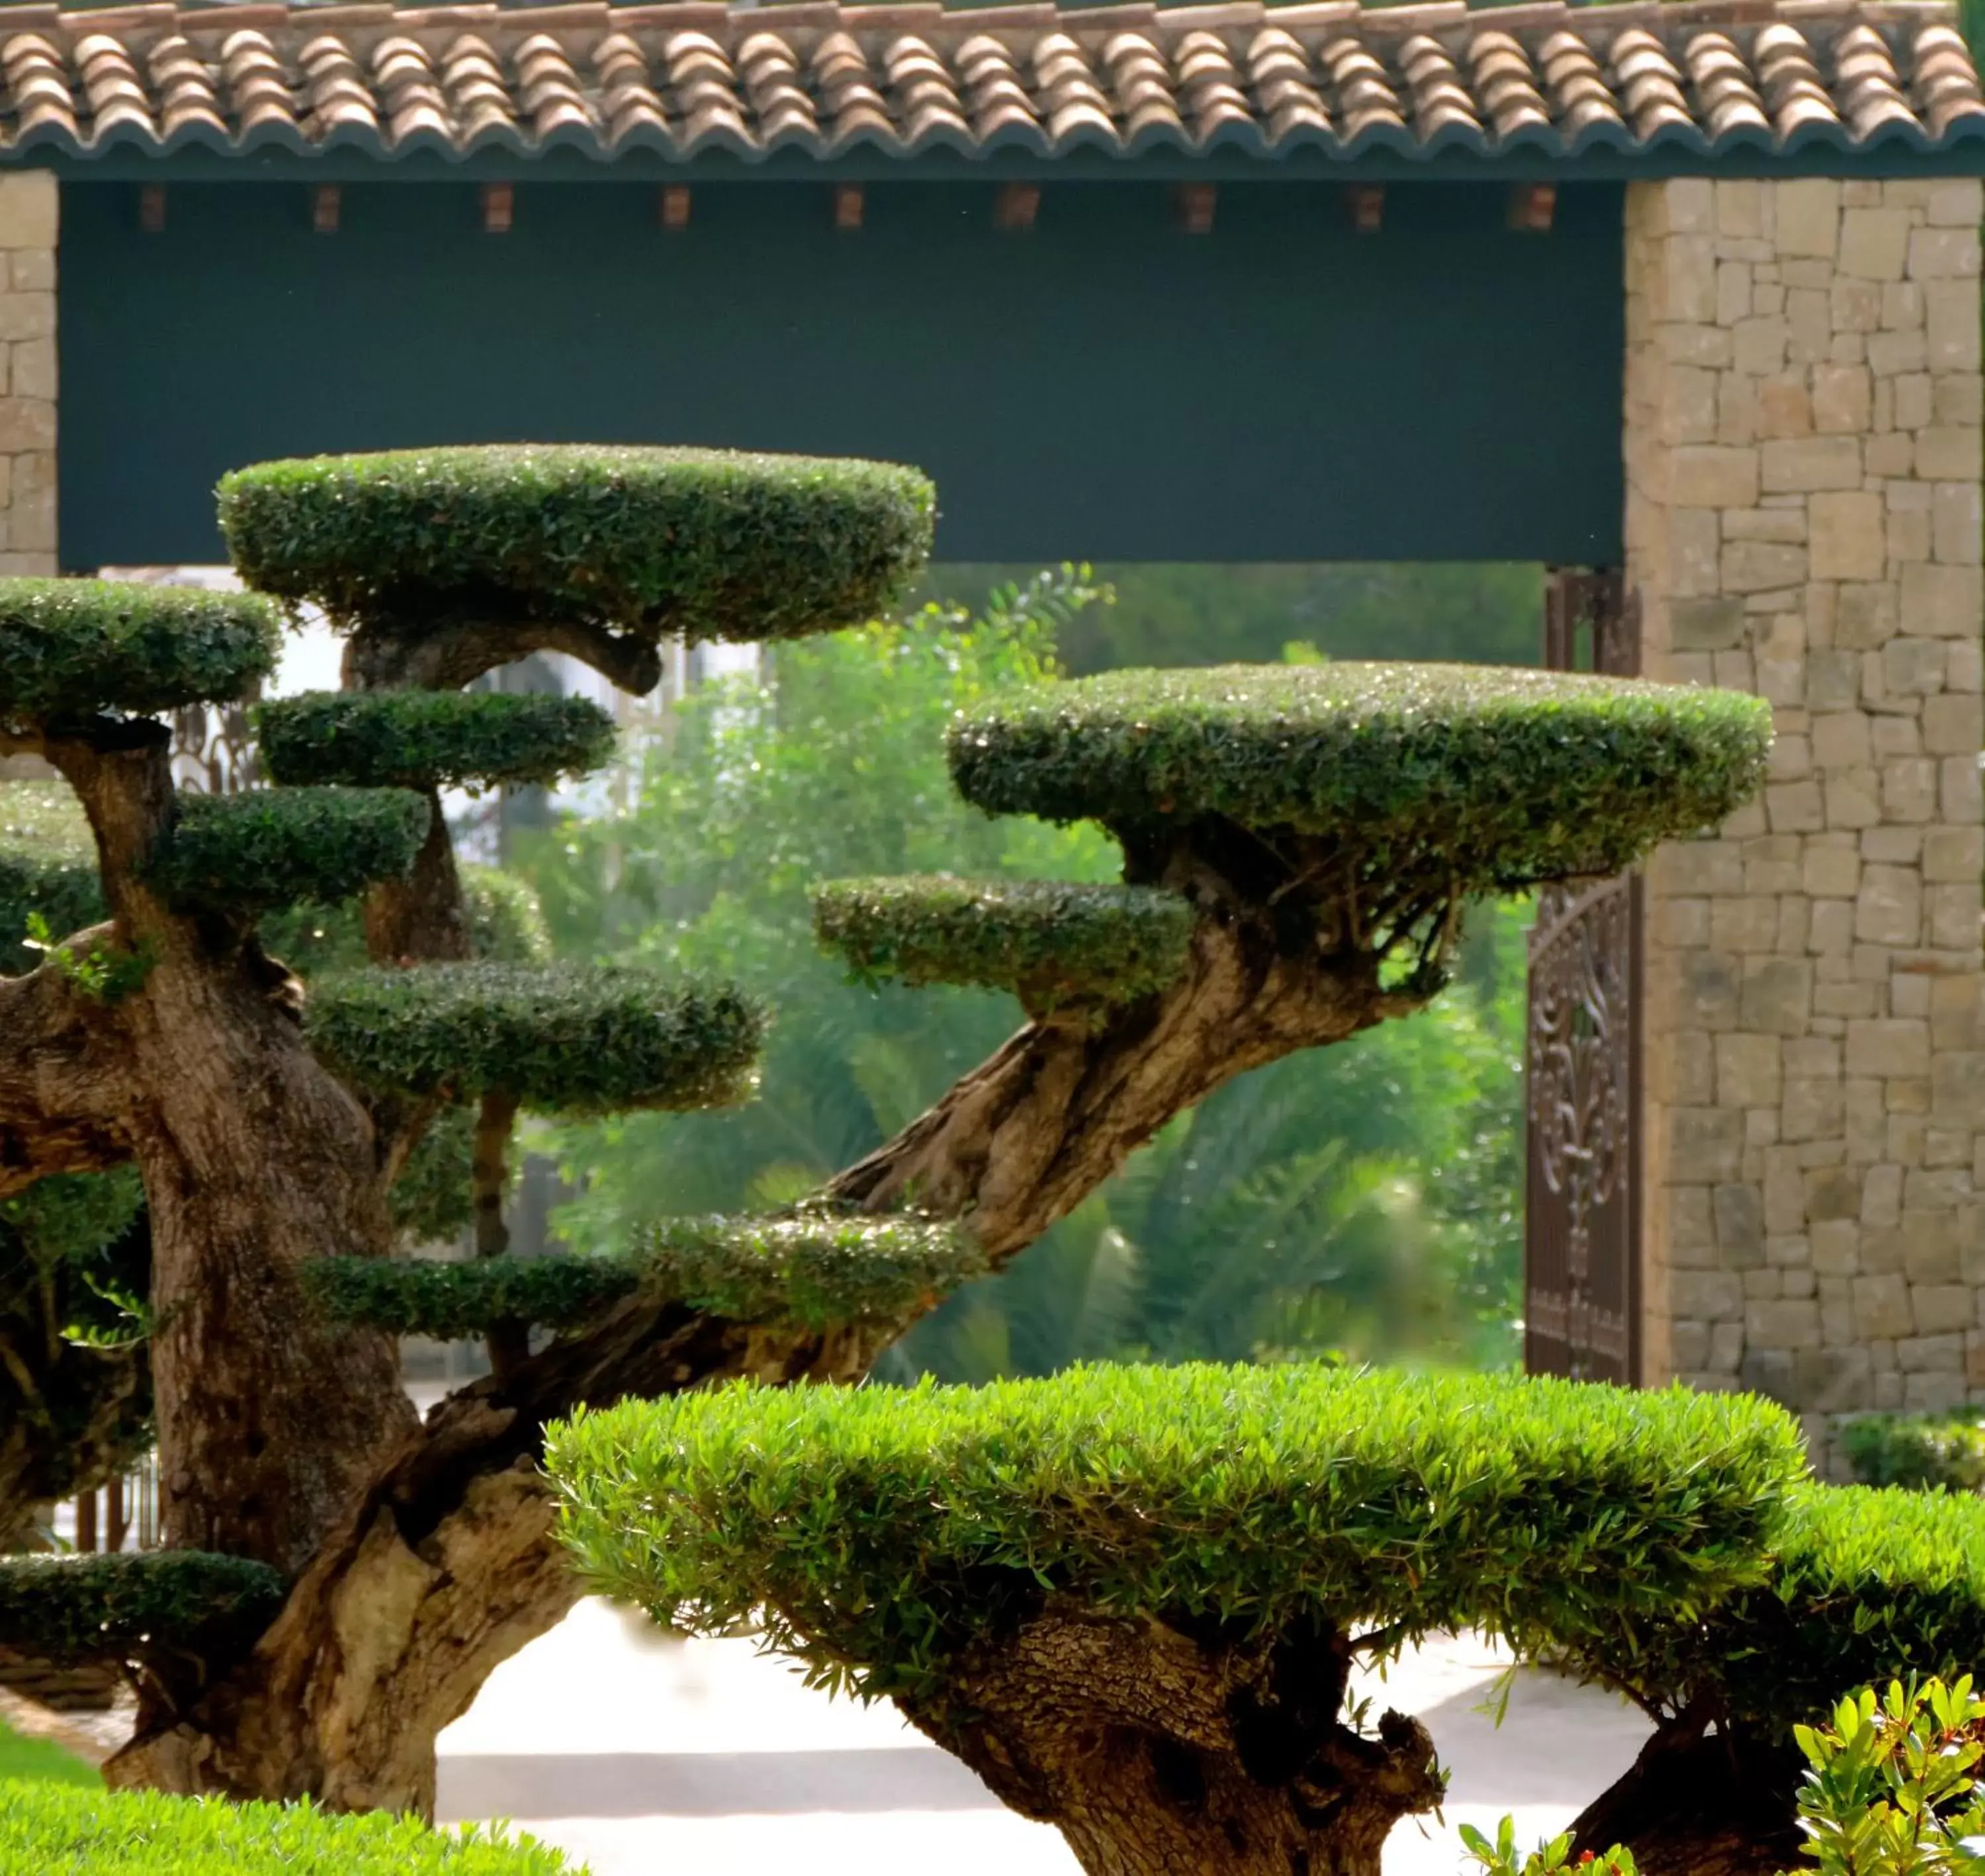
(1104, 386)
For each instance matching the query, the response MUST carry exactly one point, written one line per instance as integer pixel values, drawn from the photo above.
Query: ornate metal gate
(1582, 1252)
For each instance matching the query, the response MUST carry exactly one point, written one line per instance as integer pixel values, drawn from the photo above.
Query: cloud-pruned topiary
(888, 1532)
(700, 543)
(267, 847)
(813, 1269)
(1050, 941)
(133, 1604)
(70, 649)
(1497, 778)
(555, 1040)
(431, 739)
(45, 1827)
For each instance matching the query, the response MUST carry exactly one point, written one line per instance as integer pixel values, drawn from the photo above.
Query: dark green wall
(1105, 387)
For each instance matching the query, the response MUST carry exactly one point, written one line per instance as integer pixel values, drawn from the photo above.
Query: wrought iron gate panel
(1581, 1263)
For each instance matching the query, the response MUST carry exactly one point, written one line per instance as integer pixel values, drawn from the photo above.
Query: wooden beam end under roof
(1015, 205)
(847, 206)
(675, 206)
(1366, 202)
(326, 202)
(1195, 203)
(499, 207)
(1532, 205)
(152, 207)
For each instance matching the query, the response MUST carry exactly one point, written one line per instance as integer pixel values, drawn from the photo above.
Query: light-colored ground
(653, 1757)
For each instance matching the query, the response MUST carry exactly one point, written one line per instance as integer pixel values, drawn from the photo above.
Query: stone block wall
(28, 220)
(1804, 409)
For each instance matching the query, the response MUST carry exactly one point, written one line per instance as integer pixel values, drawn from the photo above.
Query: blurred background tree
(1366, 1198)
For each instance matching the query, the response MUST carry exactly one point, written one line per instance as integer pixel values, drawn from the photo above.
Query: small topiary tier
(556, 1040)
(55, 1830)
(71, 649)
(702, 544)
(431, 739)
(276, 847)
(813, 1270)
(1050, 941)
(134, 1605)
(887, 1531)
(1504, 777)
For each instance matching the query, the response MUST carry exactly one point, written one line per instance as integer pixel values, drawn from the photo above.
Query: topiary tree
(1299, 844)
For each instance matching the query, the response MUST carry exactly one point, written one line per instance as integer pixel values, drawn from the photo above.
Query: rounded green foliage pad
(1049, 940)
(72, 648)
(1503, 778)
(431, 739)
(275, 847)
(885, 1529)
(702, 544)
(558, 1039)
(122, 1604)
(47, 868)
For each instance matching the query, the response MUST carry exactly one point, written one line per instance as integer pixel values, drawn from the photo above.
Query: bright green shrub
(431, 739)
(1495, 778)
(1048, 940)
(72, 648)
(816, 1269)
(702, 543)
(884, 1531)
(130, 1603)
(1502, 1857)
(274, 846)
(556, 1040)
(1923, 1451)
(48, 1830)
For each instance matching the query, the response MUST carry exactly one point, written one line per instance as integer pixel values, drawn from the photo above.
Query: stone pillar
(1803, 411)
(28, 217)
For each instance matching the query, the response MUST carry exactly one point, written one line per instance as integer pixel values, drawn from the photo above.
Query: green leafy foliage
(1502, 1857)
(48, 866)
(71, 648)
(884, 1530)
(1944, 1451)
(1891, 1786)
(123, 1605)
(818, 1269)
(275, 847)
(704, 544)
(1498, 779)
(559, 1039)
(1050, 941)
(505, 926)
(97, 967)
(431, 739)
(59, 1830)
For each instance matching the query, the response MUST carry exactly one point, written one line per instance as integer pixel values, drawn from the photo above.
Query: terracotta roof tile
(1706, 75)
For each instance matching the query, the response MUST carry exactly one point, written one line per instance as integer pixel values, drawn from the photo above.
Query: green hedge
(565, 1038)
(48, 864)
(1047, 940)
(506, 925)
(69, 647)
(275, 847)
(53, 1829)
(124, 1604)
(1923, 1451)
(1508, 776)
(699, 543)
(885, 1529)
(816, 1269)
(431, 739)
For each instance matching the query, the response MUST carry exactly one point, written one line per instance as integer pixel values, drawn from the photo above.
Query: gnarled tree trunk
(1698, 1803)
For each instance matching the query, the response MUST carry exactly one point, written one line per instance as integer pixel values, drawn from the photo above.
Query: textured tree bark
(1157, 1753)
(422, 917)
(1697, 1804)
(509, 1340)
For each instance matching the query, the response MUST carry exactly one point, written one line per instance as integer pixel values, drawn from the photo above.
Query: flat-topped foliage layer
(267, 847)
(123, 1603)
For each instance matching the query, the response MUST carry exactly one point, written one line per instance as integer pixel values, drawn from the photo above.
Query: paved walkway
(647, 1756)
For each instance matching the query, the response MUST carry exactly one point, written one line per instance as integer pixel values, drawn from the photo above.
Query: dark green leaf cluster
(560, 1039)
(702, 544)
(814, 1269)
(127, 1605)
(48, 865)
(56, 1829)
(431, 739)
(273, 847)
(1508, 777)
(1922, 1450)
(72, 648)
(505, 926)
(1050, 941)
(885, 1529)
